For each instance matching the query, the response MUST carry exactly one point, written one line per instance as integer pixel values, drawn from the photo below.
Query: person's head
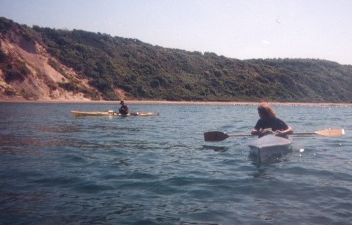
(122, 102)
(265, 111)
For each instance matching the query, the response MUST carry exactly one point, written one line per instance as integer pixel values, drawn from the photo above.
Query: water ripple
(58, 169)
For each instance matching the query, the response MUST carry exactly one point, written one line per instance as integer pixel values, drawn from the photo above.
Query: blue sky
(241, 29)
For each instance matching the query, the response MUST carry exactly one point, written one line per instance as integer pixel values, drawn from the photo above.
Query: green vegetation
(13, 69)
(144, 71)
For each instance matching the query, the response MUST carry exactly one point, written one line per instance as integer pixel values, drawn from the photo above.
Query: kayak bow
(269, 147)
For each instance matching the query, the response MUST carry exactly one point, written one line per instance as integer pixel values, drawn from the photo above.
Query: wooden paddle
(329, 132)
(220, 136)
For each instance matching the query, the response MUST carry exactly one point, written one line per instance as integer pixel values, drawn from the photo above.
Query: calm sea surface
(58, 169)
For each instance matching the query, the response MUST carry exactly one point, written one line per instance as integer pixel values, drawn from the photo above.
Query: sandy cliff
(42, 77)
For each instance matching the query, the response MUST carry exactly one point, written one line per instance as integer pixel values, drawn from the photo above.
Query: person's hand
(280, 133)
(267, 131)
(263, 132)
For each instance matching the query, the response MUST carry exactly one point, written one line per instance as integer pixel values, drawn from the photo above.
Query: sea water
(59, 169)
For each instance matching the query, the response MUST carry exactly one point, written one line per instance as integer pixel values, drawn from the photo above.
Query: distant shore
(165, 102)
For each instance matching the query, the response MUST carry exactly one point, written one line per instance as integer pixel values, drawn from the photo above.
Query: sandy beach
(165, 102)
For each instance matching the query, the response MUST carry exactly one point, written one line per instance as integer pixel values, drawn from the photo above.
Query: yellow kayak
(112, 113)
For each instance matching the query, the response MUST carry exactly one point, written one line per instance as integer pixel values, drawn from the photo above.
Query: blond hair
(265, 110)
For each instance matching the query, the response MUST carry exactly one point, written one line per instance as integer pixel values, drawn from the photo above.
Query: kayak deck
(112, 113)
(269, 147)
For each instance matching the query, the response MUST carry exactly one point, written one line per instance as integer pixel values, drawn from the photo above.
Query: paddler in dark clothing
(123, 110)
(269, 123)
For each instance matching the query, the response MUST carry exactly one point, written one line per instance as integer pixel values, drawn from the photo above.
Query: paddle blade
(331, 132)
(215, 136)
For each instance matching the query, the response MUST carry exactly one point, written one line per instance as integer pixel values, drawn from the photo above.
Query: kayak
(269, 147)
(112, 113)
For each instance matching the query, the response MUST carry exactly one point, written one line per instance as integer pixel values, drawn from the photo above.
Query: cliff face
(29, 72)
(47, 64)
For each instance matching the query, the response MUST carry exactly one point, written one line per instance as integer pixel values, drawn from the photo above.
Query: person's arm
(257, 128)
(285, 132)
(255, 132)
(262, 132)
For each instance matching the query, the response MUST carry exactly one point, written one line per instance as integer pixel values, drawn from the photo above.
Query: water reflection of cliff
(41, 137)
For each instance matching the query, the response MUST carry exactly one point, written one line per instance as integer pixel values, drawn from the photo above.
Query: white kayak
(269, 147)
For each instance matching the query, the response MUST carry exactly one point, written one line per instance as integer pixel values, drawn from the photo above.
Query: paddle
(329, 132)
(220, 136)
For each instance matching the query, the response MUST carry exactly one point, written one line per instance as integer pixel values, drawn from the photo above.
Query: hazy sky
(240, 29)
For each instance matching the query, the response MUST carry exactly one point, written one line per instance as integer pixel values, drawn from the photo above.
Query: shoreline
(166, 102)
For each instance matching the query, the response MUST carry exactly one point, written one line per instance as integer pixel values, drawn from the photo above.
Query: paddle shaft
(330, 132)
(240, 135)
(304, 133)
(220, 136)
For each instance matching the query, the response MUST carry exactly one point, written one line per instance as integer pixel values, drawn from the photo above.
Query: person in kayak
(269, 123)
(123, 110)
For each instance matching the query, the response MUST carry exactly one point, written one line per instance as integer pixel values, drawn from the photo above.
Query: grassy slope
(152, 72)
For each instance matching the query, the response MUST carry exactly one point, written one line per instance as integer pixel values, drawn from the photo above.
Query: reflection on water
(59, 128)
(215, 148)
